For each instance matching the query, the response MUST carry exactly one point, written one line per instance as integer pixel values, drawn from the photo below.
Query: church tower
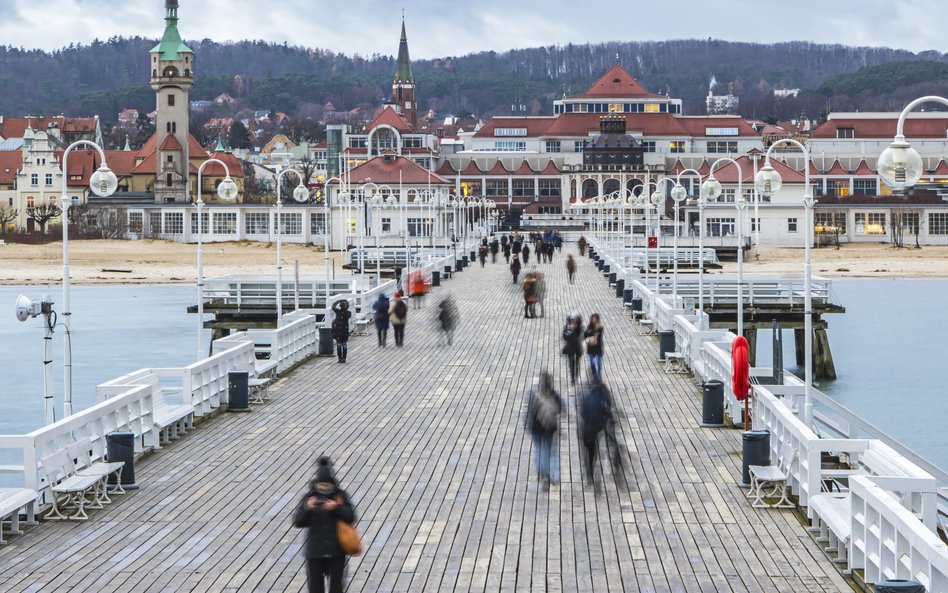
(172, 75)
(403, 88)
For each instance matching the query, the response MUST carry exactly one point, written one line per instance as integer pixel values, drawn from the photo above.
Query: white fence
(894, 523)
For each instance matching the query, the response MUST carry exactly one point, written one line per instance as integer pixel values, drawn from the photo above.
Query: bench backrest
(786, 455)
(56, 468)
(914, 488)
(80, 453)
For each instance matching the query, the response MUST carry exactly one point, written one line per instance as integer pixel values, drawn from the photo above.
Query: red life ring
(740, 368)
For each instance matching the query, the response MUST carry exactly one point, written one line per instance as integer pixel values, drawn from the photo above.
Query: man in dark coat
(544, 406)
(340, 328)
(494, 248)
(321, 508)
(573, 344)
(515, 268)
(380, 307)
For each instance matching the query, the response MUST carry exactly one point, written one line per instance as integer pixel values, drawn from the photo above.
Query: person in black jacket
(544, 406)
(340, 328)
(321, 508)
(515, 268)
(573, 344)
(380, 307)
(594, 346)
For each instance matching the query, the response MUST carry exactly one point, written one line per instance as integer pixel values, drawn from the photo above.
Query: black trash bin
(620, 287)
(636, 304)
(712, 404)
(627, 295)
(464, 261)
(756, 452)
(435, 278)
(238, 394)
(612, 278)
(325, 341)
(458, 265)
(899, 586)
(120, 446)
(666, 343)
(601, 264)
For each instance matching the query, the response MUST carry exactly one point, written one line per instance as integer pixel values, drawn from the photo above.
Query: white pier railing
(896, 498)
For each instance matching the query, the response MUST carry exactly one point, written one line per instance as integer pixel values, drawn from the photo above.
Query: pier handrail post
(300, 194)
(226, 190)
(713, 191)
(768, 182)
(103, 183)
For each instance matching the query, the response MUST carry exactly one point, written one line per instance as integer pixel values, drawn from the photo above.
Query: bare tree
(7, 216)
(42, 214)
(112, 222)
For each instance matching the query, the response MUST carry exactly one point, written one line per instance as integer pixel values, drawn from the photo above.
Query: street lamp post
(900, 165)
(300, 194)
(226, 190)
(679, 194)
(103, 183)
(713, 190)
(768, 182)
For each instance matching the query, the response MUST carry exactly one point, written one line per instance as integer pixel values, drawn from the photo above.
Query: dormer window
(845, 133)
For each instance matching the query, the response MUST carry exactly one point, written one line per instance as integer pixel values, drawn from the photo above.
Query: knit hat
(324, 472)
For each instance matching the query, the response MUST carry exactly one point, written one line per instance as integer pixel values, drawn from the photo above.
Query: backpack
(547, 412)
(401, 309)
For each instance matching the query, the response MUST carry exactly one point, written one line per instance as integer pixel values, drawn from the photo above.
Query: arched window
(187, 72)
(154, 73)
(611, 185)
(590, 188)
(170, 71)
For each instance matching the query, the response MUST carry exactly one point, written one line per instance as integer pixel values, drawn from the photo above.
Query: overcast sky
(449, 27)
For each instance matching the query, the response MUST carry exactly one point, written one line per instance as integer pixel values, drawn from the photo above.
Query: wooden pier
(429, 442)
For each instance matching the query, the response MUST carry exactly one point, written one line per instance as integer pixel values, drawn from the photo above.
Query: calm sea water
(889, 349)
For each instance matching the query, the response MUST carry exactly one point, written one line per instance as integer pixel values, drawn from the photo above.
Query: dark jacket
(593, 340)
(533, 405)
(322, 540)
(573, 338)
(515, 266)
(381, 312)
(340, 323)
(597, 410)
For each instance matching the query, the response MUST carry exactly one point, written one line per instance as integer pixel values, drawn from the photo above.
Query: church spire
(403, 73)
(171, 45)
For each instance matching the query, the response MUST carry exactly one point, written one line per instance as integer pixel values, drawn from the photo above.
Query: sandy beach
(150, 261)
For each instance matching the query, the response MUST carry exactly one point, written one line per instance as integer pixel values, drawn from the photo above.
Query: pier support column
(798, 345)
(750, 333)
(823, 365)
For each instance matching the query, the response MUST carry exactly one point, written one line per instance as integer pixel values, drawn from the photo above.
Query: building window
(909, 221)
(255, 223)
(938, 223)
(522, 188)
(496, 189)
(471, 188)
(720, 227)
(865, 187)
(409, 142)
(553, 146)
(357, 142)
(49, 180)
(317, 223)
(648, 146)
(135, 221)
(870, 223)
(676, 146)
(34, 179)
(292, 223)
(791, 225)
(578, 146)
(225, 223)
(419, 227)
(170, 100)
(169, 180)
(722, 146)
(154, 223)
(386, 225)
(755, 222)
(204, 223)
(845, 133)
(174, 223)
(510, 145)
(652, 108)
(829, 222)
(30, 201)
(550, 188)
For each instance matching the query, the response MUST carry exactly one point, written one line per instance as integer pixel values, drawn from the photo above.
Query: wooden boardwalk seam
(429, 442)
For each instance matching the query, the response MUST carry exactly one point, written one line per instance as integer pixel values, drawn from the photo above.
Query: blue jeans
(546, 458)
(595, 365)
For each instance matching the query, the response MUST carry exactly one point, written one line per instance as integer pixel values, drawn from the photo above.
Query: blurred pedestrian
(418, 285)
(550, 250)
(540, 309)
(597, 416)
(558, 242)
(570, 268)
(320, 511)
(340, 328)
(494, 248)
(526, 253)
(515, 267)
(544, 407)
(506, 249)
(529, 295)
(398, 316)
(594, 346)
(380, 307)
(482, 254)
(573, 344)
(581, 243)
(448, 318)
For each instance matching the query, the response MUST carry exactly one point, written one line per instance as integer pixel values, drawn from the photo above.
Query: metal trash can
(756, 452)
(620, 287)
(325, 341)
(458, 265)
(120, 446)
(447, 272)
(464, 261)
(899, 586)
(712, 404)
(666, 343)
(636, 304)
(612, 278)
(600, 264)
(435, 278)
(238, 394)
(627, 295)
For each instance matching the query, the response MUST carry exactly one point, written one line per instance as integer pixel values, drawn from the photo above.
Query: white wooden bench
(13, 503)
(59, 474)
(80, 453)
(646, 327)
(171, 421)
(362, 326)
(261, 375)
(770, 481)
(831, 512)
(675, 363)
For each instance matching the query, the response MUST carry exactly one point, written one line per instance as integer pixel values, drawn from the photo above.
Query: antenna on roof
(617, 58)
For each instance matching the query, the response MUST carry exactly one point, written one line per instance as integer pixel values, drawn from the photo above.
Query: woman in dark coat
(321, 508)
(573, 344)
(340, 328)
(380, 307)
(526, 253)
(515, 267)
(594, 348)
(506, 249)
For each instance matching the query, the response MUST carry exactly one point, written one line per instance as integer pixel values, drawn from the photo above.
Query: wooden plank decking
(429, 442)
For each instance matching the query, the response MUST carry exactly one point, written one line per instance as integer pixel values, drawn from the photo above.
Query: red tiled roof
(320, 144)
(863, 169)
(170, 143)
(649, 124)
(14, 127)
(82, 163)
(122, 162)
(677, 168)
(472, 169)
(524, 169)
(705, 168)
(836, 169)
(698, 125)
(388, 116)
(884, 128)
(550, 169)
(390, 171)
(11, 161)
(814, 170)
(234, 166)
(535, 126)
(447, 169)
(498, 169)
(617, 83)
(942, 168)
(147, 166)
(727, 173)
